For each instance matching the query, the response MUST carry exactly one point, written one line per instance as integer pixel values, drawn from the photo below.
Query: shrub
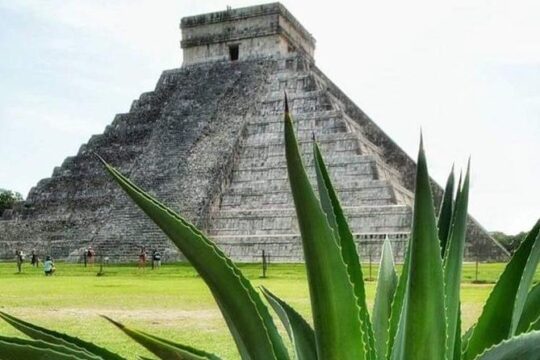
(415, 317)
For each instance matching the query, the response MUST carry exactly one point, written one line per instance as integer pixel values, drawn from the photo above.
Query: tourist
(90, 256)
(156, 259)
(48, 266)
(142, 258)
(34, 259)
(20, 258)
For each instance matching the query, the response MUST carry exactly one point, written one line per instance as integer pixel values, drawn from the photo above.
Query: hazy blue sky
(467, 72)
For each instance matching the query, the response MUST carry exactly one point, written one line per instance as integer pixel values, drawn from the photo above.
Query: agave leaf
(300, 332)
(396, 330)
(53, 337)
(164, 349)
(466, 337)
(336, 315)
(453, 261)
(525, 284)
(531, 310)
(18, 349)
(246, 315)
(495, 322)
(336, 218)
(535, 325)
(421, 332)
(386, 288)
(522, 347)
(445, 212)
(457, 343)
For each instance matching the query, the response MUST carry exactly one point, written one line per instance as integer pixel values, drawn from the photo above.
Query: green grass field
(172, 302)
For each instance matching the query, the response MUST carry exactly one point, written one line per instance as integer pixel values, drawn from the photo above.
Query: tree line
(8, 198)
(510, 242)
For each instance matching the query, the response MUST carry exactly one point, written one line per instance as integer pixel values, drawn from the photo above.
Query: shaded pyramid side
(178, 142)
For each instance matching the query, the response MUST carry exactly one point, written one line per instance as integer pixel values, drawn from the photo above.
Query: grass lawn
(172, 302)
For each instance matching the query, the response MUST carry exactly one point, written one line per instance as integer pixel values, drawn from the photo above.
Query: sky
(465, 72)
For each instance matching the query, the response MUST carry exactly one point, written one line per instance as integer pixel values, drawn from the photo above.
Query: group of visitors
(89, 256)
(156, 258)
(48, 264)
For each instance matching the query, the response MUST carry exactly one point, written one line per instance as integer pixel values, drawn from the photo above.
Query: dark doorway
(234, 51)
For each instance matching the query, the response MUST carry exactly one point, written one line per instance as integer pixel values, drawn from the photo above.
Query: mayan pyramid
(208, 142)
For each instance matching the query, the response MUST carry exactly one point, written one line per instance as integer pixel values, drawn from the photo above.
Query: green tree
(510, 242)
(8, 198)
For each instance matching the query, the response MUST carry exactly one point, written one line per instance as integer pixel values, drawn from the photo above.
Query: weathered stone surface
(208, 142)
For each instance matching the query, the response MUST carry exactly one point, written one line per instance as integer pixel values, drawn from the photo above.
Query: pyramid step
(321, 138)
(364, 170)
(305, 102)
(306, 134)
(278, 160)
(277, 221)
(306, 148)
(293, 82)
(373, 195)
(340, 159)
(278, 118)
(345, 181)
(311, 124)
(282, 185)
(281, 248)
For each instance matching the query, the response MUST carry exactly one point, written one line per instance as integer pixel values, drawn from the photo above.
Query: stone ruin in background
(208, 142)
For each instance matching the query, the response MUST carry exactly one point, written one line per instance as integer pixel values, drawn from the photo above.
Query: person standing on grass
(48, 266)
(156, 259)
(20, 258)
(34, 259)
(90, 256)
(142, 258)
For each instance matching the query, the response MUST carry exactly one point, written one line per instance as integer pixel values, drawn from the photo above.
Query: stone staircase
(256, 211)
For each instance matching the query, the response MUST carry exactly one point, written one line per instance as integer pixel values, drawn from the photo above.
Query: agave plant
(414, 317)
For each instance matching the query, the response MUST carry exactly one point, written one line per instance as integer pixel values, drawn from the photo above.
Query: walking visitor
(156, 259)
(142, 258)
(20, 258)
(34, 260)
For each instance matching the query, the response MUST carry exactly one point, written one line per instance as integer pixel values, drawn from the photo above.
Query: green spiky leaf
(164, 349)
(53, 337)
(456, 355)
(495, 323)
(525, 284)
(522, 347)
(396, 326)
(336, 218)
(531, 310)
(445, 213)
(19, 349)
(535, 326)
(246, 315)
(300, 332)
(386, 288)
(421, 332)
(453, 262)
(336, 315)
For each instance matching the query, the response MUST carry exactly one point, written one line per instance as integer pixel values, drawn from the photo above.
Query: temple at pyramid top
(267, 30)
